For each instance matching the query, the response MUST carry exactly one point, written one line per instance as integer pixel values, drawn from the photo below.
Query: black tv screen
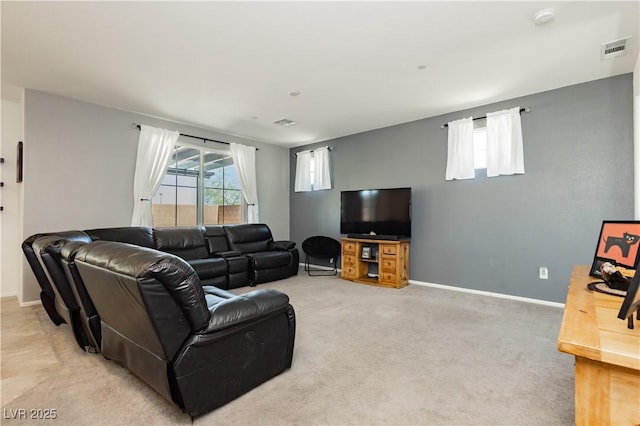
(385, 212)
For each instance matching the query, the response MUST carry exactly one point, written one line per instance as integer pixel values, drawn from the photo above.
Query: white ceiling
(229, 66)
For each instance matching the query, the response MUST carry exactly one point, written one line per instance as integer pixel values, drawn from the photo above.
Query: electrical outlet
(544, 273)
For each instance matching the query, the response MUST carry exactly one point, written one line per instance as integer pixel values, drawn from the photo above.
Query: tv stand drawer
(349, 260)
(389, 265)
(349, 248)
(389, 278)
(389, 250)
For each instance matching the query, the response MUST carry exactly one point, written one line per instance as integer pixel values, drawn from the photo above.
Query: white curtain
(505, 153)
(155, 148)
(303, 172)
(323, 172)
(244, 157)
(460, 150)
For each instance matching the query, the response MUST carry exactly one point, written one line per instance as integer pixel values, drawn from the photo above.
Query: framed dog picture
(618, 243)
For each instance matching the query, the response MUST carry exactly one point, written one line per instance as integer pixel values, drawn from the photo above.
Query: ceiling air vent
(285, 122)
(613, 49)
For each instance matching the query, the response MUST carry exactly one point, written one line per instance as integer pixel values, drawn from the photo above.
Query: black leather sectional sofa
(156, 301)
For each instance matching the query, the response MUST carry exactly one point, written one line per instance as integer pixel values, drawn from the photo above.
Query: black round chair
(319, 247)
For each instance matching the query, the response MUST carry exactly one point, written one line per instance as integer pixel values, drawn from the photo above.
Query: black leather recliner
(269, 260)
(198, 346)
(48, 248)
(47, 295)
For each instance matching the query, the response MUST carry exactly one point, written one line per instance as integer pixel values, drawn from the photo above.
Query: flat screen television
(384, 212)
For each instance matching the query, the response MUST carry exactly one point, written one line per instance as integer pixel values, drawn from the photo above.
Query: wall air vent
(285, 122)
(613, 49)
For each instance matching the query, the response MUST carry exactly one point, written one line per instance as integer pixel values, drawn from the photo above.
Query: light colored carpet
(363, 355)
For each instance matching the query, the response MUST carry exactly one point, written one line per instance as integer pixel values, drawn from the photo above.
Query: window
(480, 148)
(312, 170)
(201, 187)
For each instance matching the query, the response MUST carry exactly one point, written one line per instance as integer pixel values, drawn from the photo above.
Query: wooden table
(607, 355)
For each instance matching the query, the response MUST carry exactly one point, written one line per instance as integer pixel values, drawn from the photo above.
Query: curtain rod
(330, 148)
(526, 109)
(136, 125)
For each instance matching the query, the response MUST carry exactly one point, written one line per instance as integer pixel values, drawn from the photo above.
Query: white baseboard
(469, 290)
(22, 304)
(489, 293)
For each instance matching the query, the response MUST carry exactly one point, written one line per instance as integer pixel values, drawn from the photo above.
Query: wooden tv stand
(386, 264)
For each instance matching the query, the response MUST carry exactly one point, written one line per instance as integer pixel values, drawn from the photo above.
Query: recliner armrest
(226, 254)
(281, 245)
(244, 308)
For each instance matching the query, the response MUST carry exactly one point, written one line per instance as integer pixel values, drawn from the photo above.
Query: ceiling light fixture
(543, 16)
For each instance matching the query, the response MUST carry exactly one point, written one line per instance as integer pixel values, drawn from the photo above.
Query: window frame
(200, 183)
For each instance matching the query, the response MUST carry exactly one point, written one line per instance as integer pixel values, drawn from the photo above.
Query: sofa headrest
(28, 242)
(52, 243)
(69, 250)
(138, 235)
(186, 242)
(249, 238)
(216, 238)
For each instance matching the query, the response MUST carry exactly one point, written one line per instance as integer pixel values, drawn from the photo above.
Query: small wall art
(618, 243)
(19, 161)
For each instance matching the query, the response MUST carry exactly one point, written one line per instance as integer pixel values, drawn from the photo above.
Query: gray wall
(10, 235)
(79, 161)
(493, 234)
